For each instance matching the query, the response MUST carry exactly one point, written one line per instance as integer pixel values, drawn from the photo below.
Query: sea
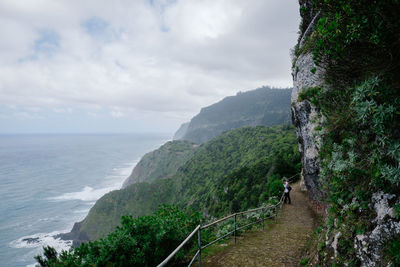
(49, 182)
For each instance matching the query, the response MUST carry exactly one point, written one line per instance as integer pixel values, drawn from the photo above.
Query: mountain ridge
(262, 106)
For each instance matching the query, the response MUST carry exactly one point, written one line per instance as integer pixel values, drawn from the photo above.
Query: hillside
(199, 182)
(263, 106)
(161, 163)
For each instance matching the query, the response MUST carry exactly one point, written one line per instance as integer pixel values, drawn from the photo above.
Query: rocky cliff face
(305, 116)
(370, 245)
(369, 213)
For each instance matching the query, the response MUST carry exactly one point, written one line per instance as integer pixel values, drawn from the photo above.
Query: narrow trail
(282, 243)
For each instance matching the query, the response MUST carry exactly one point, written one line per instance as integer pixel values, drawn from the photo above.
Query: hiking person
(286, 191)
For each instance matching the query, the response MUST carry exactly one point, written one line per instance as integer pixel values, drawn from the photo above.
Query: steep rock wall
(353, 234)
(304, 115)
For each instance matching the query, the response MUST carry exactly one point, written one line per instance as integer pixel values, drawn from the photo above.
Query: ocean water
(48, 182)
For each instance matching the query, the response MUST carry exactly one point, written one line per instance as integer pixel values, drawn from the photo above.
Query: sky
(69, 66)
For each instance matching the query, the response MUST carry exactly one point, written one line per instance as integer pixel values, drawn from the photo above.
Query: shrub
(275, 188)
(144, 241)
(393, 252)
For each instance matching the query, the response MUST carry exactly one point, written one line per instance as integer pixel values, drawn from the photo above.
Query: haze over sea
(48, 182)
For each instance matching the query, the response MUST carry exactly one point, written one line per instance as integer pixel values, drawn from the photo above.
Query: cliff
(161, 163)
(305, 115)
(263, 106)
(345, 105)
(180, 133)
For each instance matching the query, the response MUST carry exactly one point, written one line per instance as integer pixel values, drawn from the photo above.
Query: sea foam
(42, 239)
(89, 193)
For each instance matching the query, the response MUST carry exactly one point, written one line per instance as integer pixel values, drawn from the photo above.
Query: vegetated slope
(263, 106)
(347, 85)
(161, 163)
(200, 178)
(197, 184)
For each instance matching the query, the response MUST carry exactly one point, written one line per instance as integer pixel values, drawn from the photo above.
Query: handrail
(218, 221)
(179, 247)
(200, 227)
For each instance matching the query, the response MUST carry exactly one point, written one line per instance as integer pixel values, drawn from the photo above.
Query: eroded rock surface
(369, 246)
(305, 117)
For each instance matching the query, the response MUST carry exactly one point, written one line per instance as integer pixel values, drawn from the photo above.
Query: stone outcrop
(369, 246)
(305, 116)
(76, 235)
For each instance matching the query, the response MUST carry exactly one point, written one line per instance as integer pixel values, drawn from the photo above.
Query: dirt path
(282, 243)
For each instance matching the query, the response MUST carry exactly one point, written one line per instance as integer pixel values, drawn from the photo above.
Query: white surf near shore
(88, 195)
(112, 182)
(37, 241)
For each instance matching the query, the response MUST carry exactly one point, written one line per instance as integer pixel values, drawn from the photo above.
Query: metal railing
(198, 229)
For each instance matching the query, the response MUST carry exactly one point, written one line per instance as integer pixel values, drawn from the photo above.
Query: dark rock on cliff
(76, 235)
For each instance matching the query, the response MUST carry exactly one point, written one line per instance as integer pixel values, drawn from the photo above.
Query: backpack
(289, 188)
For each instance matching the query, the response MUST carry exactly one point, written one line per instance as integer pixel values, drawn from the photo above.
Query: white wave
(82, 211)
(42, 239)
(86, 194)
(36, 242)
(90, 194)
(125, 170)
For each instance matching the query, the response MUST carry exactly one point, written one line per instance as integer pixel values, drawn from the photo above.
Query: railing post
(199, 245)
(234, 231)
(262, 215)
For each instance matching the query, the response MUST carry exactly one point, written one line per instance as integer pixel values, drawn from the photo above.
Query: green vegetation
(144, 241)
(263, 106)
(357, 42)
(233, 192)
(393, 252)
(397, 210)
(310, 94)
(136, 200)
(240, 169)
(161, 163)
(304, 262)
(199, 178)
(356, 37)
(257, 152)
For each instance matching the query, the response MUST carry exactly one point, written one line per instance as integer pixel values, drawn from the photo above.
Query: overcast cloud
(135, 65)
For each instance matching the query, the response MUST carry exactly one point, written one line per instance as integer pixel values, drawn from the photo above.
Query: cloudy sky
(135, 65)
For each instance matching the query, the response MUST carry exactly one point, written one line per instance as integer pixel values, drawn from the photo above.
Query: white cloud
(166, 58)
